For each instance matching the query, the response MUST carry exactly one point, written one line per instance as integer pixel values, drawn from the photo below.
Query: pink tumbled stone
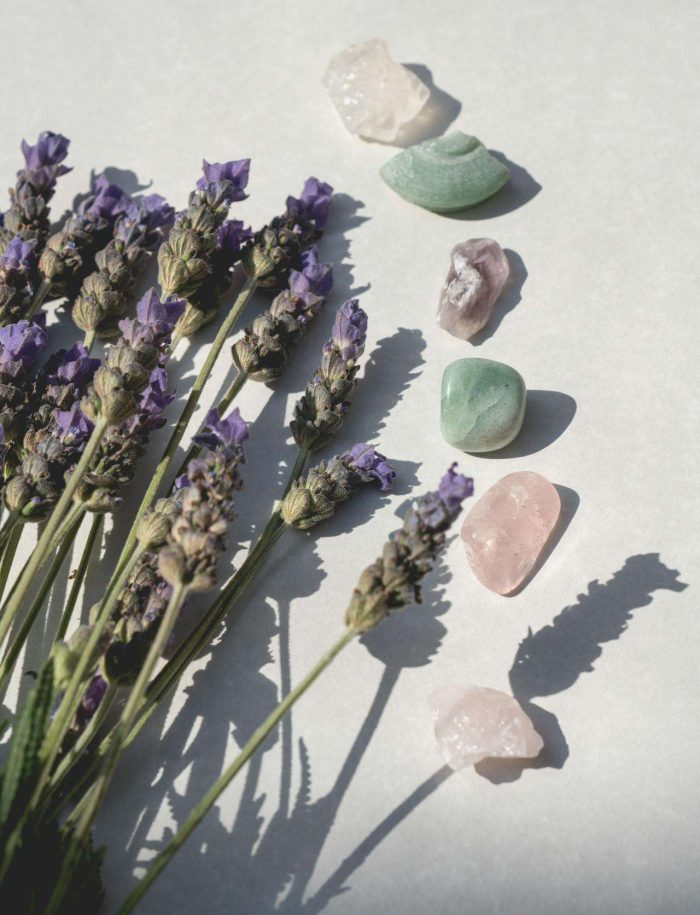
(475, 722)
(507, 529)
(478, 272)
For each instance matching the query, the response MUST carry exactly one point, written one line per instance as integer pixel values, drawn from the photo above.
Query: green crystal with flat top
(447, 174)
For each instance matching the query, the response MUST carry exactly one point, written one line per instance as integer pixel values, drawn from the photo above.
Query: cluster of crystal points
(375, 96)
(475, 722)
(478, 272)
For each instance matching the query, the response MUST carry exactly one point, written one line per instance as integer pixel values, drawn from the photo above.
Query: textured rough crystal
(483, 404)
(507, 529)
(375, 96)
(478, 272)
(475, 722)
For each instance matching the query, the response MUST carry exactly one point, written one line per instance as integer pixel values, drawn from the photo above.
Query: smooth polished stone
(475, 722)
(375, 96)
(483, 404)
(507, 529)
(446, 174)
(478, 272)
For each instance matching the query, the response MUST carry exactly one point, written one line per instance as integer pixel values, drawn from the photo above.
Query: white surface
(597, 101)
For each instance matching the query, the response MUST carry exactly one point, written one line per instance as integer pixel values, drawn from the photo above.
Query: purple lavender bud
(319, 275)
(107, 201)
(437, 510)
(94, 694)
(151, 311)
(232, 235)
(155, 399)
(22, 342)
(314, 203)
(18, 256)
(145, 220)
(368, 463)
(235, 173)
(42, 161)
(73, 425)
(226, 435)
(350, 330)
(72, 366)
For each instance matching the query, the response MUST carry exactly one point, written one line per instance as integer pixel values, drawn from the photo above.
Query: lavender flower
(271, 339)
(123, 445)
(20, 345)
(130, 361)
(394, 580)
(28, 216)
(277, 248)
(72, 425)
(16, 290)
(69, 253)
(220, 173)
(313, 207)
(204, 305)
(43, 160)
(107, 293)
(224, 435)
(314, 496)
(319, 413)
(185, 258)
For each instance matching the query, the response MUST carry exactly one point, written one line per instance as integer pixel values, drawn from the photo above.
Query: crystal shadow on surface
(509, 298)
(434, 118)
(552, 659)
(548, 415)
(520, 190)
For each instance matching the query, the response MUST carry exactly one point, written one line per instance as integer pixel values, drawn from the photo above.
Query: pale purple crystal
(475, 722)
(478, 272)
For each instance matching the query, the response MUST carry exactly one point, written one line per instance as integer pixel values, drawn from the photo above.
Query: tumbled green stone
(483, 404)
(446, 174)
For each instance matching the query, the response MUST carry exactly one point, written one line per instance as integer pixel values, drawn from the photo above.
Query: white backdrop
(349, 809)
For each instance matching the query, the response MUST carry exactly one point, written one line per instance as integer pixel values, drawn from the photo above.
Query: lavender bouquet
(74, 425)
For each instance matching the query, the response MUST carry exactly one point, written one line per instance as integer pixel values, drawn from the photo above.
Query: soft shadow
(520, 190)
(436, 115)
(551, 660)
(509, 298)
(124, 178)
(548, 414)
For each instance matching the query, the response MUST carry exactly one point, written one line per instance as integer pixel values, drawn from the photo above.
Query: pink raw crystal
(474, 723)
(506, 531)
(478, 272)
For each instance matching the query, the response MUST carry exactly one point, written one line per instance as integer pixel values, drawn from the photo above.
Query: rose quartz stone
(475, 722)
(507, 529)
(478, 272)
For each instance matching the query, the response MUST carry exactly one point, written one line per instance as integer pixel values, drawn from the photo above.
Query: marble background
(349, 810)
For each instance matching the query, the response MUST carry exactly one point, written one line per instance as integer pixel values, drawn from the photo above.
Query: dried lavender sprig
(16, 268)
(268, 343)
(69, 253)
(105, 295)
(185, 258)
(28, 216)
(20, 346)
(390, 583)
(319, 413)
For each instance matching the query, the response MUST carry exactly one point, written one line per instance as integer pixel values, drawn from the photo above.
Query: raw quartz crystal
(475, 722)
(375, 96)
(478, 272)
(506, 531)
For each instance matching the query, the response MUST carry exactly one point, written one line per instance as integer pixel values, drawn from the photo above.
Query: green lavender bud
(153, 529)
(172, 565)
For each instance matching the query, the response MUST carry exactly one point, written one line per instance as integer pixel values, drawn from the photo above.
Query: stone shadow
(434, 118)
(548, 414)
(520, 190)
(552, 659)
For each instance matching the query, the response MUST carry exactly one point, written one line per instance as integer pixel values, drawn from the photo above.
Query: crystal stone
(506, 531)
(375, 96)
(483, 404)
(446, 174)
(475, 722)
(478, 272)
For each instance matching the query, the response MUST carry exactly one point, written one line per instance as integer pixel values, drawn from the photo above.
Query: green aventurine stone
(447, 174)
(483, 404)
